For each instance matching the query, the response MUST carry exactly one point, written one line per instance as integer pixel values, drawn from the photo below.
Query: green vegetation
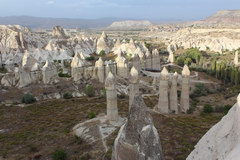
(28, 99)
(223, 109)
(67, 96)
(64, 75)
(89, 91)
(208, 108)
(91, 115)
(200, 90)
(59, 155)
(91, 58)
(102, 53)
(191, 55)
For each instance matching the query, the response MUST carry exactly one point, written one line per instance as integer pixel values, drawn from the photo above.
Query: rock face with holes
(222, 141)
(138, 138)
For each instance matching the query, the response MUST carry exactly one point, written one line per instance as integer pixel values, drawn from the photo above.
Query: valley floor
(38, 130)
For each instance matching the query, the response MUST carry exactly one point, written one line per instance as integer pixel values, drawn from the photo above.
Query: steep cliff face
(225, 16)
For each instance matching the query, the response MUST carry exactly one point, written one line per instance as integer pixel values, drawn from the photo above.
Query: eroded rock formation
(137, 139)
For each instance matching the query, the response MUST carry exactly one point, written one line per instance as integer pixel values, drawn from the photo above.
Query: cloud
(50, 2)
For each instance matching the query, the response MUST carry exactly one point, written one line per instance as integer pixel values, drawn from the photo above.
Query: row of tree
(200, 61)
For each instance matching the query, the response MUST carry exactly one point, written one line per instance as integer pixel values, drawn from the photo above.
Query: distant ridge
(130, 24)
(225, 16)
(47, 23)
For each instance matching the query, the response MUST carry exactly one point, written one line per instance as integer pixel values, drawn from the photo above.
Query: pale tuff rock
(236, 59)
(103, 44)
(133, 85)
(136, 62)
(49, 72)
(12, 38)
(163, 104)
(143, 47)
(222, 141)
(10, 79)
(117, 46)
(79, 61)
(185, 71)
(110, 67)
(205, 39)
(148, 60)
(78, 67)
(122, 66)
(173, 97)
(58, 32)
(100, 70)
(155, 60)
(139, 53)
(134, 75)
(111, 94)
(137, 139)
(184, 103)
(164, 73)
(29, 63)
(29, 77)
(171, 58)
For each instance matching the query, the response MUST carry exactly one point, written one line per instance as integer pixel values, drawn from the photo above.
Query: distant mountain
(225, 17)
(47, 23)
(129, 24)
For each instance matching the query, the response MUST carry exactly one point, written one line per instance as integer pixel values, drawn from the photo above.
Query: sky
(134, 9)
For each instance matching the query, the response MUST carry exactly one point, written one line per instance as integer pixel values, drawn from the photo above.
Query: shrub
(59, 155)
(89, 90)
(227, 108)
(28, 99)
(102, 53)
(67, 96)
(208, 108)
(91, 115)
(200, 90)
(91, 58)
(65, 75)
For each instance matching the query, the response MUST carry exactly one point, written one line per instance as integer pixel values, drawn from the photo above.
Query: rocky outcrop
(58, 32)
(137, 139)
(29, 63)
(49, 72)
(78, 67)
(103, 44)
(222, 141)
(217, 40)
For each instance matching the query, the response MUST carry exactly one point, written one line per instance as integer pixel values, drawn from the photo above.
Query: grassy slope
(40, 129)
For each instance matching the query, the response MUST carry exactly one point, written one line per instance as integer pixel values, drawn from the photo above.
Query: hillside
(225, 16)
